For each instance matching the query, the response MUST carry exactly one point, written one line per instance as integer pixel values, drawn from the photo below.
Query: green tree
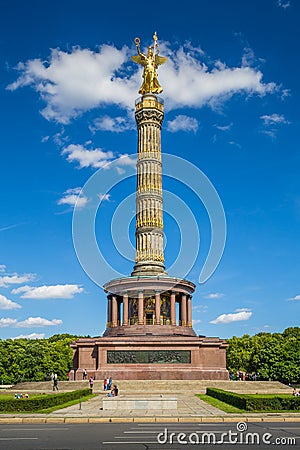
(273, 356)
(32, 360)
(239, 353)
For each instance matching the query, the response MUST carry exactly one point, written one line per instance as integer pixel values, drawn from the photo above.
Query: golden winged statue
(150, 62)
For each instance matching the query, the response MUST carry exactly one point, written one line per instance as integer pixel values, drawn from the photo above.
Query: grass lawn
(220, 405)
(233, 409)
(11, 396)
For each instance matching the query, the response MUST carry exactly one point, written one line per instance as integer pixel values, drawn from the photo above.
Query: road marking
(128, 442)
(140, 432)
(32, 429)
(18, 438)
(161, 431)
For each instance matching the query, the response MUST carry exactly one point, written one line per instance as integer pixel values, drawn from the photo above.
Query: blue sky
(231, 93)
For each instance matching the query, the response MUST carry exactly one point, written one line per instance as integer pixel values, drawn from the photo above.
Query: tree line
(272, 356)
(35, 359)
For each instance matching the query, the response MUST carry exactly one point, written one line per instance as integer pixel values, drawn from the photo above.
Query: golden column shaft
(149, 115)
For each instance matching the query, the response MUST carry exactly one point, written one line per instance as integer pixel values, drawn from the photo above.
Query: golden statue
(150, 62)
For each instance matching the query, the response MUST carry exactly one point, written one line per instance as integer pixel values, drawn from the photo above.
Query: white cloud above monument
(73, 82)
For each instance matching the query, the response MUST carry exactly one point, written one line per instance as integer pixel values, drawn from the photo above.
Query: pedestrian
(109, 383)
(104, 384)
(114, 392)
(91, 382)
(55, 382)
(84, 375)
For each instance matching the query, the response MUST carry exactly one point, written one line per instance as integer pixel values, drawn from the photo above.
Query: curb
(70, 420)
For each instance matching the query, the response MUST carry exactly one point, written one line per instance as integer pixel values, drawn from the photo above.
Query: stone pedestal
(152, 357)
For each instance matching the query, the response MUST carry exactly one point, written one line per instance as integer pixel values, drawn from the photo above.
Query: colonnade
(114, 318)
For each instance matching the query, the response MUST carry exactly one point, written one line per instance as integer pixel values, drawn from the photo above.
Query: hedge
(41, 402)
(256, 402)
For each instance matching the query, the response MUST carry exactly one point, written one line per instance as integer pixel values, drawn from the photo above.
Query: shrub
(256, 402)
(41, 402)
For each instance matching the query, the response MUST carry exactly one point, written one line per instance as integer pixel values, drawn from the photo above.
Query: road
(141, 436)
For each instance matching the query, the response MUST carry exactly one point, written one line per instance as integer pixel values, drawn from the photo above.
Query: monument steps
(47, 386)
(149, 387)
(176, 386)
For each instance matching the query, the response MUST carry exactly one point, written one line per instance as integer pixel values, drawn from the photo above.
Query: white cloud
(189, 82)
(270, 133)
(2, 267)
(195, 322)
(104, 197)
(87, 158)
(29, 323)
(126, 160)
(234, 143)
(283, 4)
(5, 303)
(115, 124)
(73, 197)
(240, 314)
(224, 127)
(16, 279)
(60, 138)
(201, 308)
(274, 119)
(46, 292)
(270, 121)
(297, 297)
(7, 322)
(37, 322)
(182, 123)
(30, 336)
(214, 295)
(45, 139)
(95, 158)
(70, 83)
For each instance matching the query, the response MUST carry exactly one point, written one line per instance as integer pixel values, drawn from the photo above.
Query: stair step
(159, 386)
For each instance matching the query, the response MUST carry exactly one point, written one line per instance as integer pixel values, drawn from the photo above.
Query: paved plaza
(189, 407)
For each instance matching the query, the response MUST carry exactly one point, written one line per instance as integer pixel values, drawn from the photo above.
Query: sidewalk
(190, 409)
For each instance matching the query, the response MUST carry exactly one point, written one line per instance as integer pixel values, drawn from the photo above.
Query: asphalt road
(141, 436)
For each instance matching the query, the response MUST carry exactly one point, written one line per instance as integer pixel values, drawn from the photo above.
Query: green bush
(227, 397)
(256, 402)
(41, 402)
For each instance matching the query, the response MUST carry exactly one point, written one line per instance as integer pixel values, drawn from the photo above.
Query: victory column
(149, 332)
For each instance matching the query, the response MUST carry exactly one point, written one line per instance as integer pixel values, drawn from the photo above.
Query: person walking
(55, 382)
(91, 380)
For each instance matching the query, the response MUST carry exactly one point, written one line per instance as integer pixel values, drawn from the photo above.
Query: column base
(149, 269)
